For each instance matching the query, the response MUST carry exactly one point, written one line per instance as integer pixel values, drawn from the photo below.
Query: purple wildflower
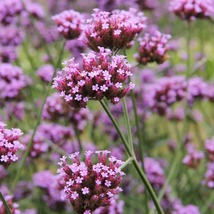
(152, 48)
(186, 209)
(209, 176)
(70, 23)
(9, 144)
(86, 183)
(46, 72)
(113, 30)
(209, 146)
(7, 54)
(192, 9)
(14, 207)
(99, 76)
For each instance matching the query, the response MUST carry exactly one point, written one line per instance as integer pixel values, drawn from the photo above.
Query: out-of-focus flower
(186, 209)
(70, 23)
(9, 144)
(12, 81)
(152, 48)
(209, 176)
(7, 54)
(209, 146)
(192, 9)
(99, 76)
(113, 30)
(154, 172)
(90, 185)
(9, 9)
(46, 72)
(11, 36)
(14, 207)
(193, 157)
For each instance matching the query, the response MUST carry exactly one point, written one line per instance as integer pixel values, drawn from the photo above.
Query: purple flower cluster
(54, 133)
(14, 207)
(192, 9)
(209, 176)
(50, 183)
(165, 92)
(12, 81)
(113, 30)
(193, 157)
(9, 9)
(209, 146)
(46, 72)
(70, 23)
(7, 54)
(57, 108)
(186, 209)
(99, 76)
(11, 36)
(152, 48)
(9, 144)
(154, 173)
(89, 186)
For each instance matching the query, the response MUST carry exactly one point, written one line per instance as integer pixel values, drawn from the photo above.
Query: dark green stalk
(5, 204)
(29, 146)
(135, 162)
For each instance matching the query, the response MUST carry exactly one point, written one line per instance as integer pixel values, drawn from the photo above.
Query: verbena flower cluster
(152, 48)
(11, 36)
(113, 30)
(70, 23)
(12, 81)
(193, 157)
(9, 144)
(192, 9)
(99, 76)
(46, 72)
(8, 10)
(209, 146)
(90, 185)
(209, 176)
(14, 207)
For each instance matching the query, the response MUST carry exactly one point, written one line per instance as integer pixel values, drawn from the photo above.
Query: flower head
(9, 144)
(100, 75)
(152, 48)
(90, 185)
(113, 30)
(209, 146)
(70, 23)
(191, 9)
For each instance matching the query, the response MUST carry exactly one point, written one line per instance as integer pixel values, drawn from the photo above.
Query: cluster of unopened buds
(70, 23)
(113, 30)
(191, 9)
(90, 185)
(100, 75)
(152, 48)
(9, 144)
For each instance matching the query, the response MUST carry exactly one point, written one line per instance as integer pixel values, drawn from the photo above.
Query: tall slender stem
(135, 162)
(5, 204)
(30, 144)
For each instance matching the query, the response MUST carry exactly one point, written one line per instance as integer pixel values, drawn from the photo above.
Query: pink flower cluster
(152, 48)
(193, 157)
(113, 30)
(9, 144)
(70, 23)
(11, 36)
(154, 173)
(12, 81)
(14, 207)
(209, 176)
(209, 146)
(46, 72)
(191, 9)
(9, 9)
(99, 76)
(186, 209)
(89, 186)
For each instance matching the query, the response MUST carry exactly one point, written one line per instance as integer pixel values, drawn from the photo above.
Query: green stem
(128, 125)
(208, 203)
(128, 161)
(135, 162)
(29, 146)
(5, 204)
